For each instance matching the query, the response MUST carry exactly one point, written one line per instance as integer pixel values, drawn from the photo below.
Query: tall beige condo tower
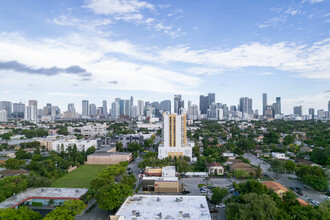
(174, 137)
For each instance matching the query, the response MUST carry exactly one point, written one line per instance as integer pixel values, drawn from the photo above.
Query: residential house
(277, 187)
(215, 168)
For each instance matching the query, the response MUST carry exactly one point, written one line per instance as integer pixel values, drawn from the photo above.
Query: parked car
(185, 192)
(221, 205)
(316, 203)
(300, 193)
(213, 210)
(298, 188)
(204, 190)
(210, 187)
(236, 194)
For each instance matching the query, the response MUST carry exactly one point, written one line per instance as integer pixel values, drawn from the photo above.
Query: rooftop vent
(180, 199)
(202, 206)
(186, 215)
(159, 215)
(77, 190)
(158, 199)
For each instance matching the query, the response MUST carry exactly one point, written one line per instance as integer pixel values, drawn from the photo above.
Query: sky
(65, 51)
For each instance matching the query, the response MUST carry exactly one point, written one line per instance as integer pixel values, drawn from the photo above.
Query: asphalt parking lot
(191, 184)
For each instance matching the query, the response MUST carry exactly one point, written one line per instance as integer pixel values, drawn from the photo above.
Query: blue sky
(65, 51)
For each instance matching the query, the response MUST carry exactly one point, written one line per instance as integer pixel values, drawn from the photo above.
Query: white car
(220, 206)
(204, 190)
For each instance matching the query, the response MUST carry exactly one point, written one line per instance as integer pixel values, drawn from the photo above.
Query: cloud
(131, 11)
(315, 1)
(18, 67)
(140, 69)
(89, 26)
(306, 61)
(117, 7)
(113, 82)
(328, 91)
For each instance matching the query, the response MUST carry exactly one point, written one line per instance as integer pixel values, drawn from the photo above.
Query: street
(285, 180)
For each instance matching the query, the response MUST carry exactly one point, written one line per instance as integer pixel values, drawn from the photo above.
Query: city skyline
(78, 105)
(98, 50)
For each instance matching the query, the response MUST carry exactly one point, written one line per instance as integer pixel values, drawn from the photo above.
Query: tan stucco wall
(106, 159)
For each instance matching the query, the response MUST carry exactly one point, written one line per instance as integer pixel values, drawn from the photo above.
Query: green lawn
(80, 177)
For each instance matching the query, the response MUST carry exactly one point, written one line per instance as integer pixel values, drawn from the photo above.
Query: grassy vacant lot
(80, 177)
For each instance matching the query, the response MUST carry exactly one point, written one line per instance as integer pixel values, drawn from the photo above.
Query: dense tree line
(112, 186)
(257, 202)
(67, 211)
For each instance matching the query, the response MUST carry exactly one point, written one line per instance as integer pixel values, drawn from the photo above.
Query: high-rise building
(156, 105)
(211, 98)
(99, 111)
(6, 105)
(47, 109)
(71, 108)
(276, 108)
(105, 108)
(178, 103)
(125, 107)
(3, 115)
(165, 105)
(297, 110)
(54, 112)
(131, 101)
(134, 111)
(245, 105)
(264, 103)
(92, 109)
(193, 112)
(269, 113)
(33, 103)
(329, 106)
(18, 110)
(204, 104)
(174, 137)
(311, 112)
(320, 113)
(115, 110)
(30, 113)
(140, 108)
(85, 108)
(278, 102)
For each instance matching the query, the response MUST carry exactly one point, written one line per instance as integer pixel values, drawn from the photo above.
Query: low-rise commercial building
(90, 129)
(108, 155)
(64, 144)
(163, 207)
(161, 184)
(153, 171)
(43, 196)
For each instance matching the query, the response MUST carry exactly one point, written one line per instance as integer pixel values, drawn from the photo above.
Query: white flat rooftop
(164, 207)
(43, 192)
(165, 179)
